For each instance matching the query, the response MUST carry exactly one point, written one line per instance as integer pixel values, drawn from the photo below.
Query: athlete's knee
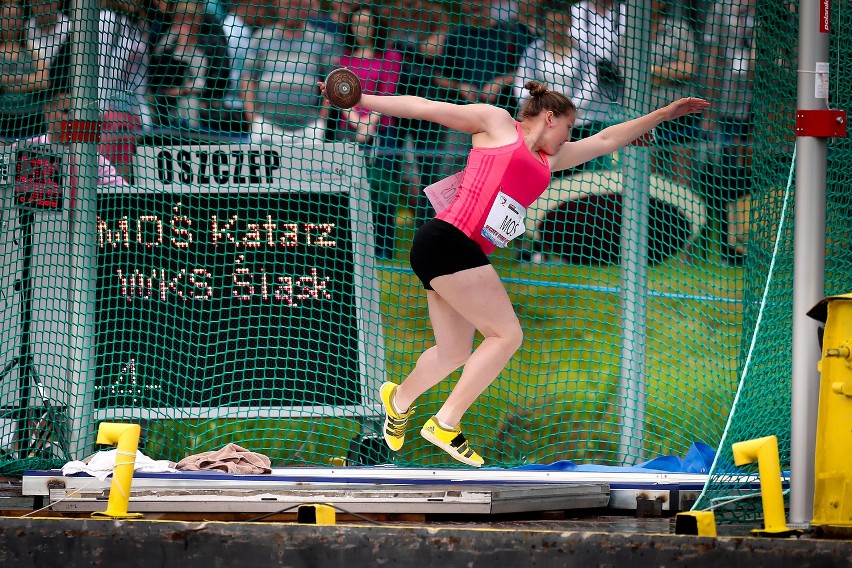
(510, 335)
(515, 338)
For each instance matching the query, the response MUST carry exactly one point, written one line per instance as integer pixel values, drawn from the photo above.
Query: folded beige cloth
(231, 459)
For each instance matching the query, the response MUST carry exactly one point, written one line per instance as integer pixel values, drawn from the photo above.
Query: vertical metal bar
(27, 376)
(636, 181)
(808, 262)
(82, 244)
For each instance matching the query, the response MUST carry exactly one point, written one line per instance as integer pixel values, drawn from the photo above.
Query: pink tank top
(512, 169)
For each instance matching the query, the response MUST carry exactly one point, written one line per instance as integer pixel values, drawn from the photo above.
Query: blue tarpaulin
(698, 459)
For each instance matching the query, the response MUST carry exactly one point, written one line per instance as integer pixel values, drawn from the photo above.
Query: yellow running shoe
(394, 421)
(451, 441)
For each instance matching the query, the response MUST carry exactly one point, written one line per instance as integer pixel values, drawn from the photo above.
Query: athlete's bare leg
(477, 297)
(453, 344)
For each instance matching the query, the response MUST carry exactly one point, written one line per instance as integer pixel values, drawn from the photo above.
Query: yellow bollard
(316, 514)
(832, 516)
(126, 438)
(765, 452)
(696, 523)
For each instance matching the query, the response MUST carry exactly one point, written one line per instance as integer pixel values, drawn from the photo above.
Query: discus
(342, 88)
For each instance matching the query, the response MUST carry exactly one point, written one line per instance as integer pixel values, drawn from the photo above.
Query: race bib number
(442, 193)
(505, 221)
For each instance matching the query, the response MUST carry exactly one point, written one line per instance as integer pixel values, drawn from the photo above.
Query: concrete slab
(69, 543)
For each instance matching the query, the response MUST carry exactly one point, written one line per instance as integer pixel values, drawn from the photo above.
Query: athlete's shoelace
(396, 426)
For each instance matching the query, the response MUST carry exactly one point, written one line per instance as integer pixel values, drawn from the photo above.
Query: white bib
(505, 221)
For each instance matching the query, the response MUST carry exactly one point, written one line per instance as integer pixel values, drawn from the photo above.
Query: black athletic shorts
(439, 248)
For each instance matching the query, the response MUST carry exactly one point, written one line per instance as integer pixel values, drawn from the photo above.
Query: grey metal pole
(83, 246)
(808, 263)
(636, 179)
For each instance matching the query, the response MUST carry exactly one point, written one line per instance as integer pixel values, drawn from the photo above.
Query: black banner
(226, 299)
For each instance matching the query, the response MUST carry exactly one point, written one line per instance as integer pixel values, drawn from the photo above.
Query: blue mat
(698, 459)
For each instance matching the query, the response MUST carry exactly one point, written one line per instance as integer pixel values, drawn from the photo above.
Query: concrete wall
(46, 543)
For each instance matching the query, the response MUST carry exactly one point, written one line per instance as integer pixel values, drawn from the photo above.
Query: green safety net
(764, 399)
(203, 248)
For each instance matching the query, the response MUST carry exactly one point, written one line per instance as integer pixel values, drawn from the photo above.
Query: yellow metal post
(765, 452)
(126, 438)
(833, 454)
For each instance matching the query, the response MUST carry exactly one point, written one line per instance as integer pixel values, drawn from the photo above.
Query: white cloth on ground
(102, 464)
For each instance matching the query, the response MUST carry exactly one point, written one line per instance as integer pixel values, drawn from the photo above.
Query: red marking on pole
(824, 16)
(821, 123)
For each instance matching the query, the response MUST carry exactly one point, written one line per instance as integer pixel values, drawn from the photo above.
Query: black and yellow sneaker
(451, 441)
(394, 421)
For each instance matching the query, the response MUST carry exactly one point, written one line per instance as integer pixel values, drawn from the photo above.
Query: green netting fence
(224, 259)
(764, 401)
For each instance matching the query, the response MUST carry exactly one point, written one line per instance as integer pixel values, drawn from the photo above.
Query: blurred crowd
(247, 71)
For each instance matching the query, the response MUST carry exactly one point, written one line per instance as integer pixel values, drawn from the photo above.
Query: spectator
(288, 58)
(378, 66)
(505, 10)
(122, 82)
(729, 36)
(480, 57)
(23, 76)
(216, 8)
(48, 28)
(418, 29)
(332, 19)
(556, 58)
(190, 73)
(673, 73)
(240, 22)
(598, 28)
(526, 21)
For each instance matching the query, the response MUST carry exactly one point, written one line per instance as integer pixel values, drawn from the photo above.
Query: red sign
(38, 178)
(80, 131)
(824, 16)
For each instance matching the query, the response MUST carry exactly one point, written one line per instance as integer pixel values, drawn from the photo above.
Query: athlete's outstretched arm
(471, 119)
(617, 136)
